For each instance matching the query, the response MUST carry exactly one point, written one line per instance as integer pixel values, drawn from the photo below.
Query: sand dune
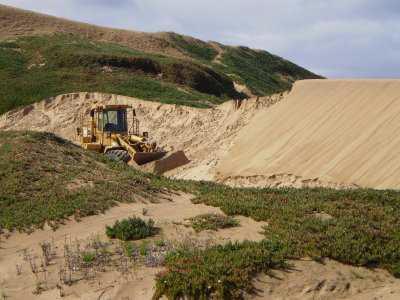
(345, 131)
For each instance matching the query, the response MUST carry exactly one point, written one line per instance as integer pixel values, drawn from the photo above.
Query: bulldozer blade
(142, 158)
(173, 161)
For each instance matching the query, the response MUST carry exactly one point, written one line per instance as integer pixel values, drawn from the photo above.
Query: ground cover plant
(359, 227)
(218, 272)
(131, 229)
(212, 222)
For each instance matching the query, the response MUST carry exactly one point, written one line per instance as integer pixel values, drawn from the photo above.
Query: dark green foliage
(200, 78)
(146, 65)
(212, 222)
(131, 229)
(220, 272)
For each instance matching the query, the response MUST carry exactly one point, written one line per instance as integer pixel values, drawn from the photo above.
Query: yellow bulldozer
(114, 130)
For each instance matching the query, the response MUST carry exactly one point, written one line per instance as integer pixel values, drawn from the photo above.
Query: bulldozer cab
(112, 120)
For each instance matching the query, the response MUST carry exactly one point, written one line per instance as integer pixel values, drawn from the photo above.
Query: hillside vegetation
(43, 56)
(44, 178)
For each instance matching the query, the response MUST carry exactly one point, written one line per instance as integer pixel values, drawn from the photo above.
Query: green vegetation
(131, 229)
(212, 222)
(88, 257)
(362, 227)
(357, 227)
(194, 48)
(220, 272)
(39, 67)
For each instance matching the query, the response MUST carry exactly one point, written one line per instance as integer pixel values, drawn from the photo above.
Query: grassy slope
(262, 72)
(45, 178)
(34, 68)
(74, 55)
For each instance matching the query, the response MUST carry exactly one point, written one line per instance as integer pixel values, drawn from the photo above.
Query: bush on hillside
(212, 222)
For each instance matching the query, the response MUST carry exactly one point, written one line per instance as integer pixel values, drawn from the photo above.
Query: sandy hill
(334, 130)
(43, 56)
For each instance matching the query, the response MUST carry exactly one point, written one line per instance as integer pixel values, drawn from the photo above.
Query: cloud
(341, 38)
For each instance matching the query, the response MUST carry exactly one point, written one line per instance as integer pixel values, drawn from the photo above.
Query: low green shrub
(131, 229)
(219, 272)
(212, 222)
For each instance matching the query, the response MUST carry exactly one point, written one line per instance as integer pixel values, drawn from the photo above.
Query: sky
(334, 38)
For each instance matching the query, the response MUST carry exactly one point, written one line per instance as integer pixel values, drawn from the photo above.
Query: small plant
(144, 248)
(129, 249)
(47, 252)
(160, 243)
(131, 229)
(19, 269)
(88, 257)
(212, 222)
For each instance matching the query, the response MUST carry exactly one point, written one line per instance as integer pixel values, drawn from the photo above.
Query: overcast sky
(335, 38)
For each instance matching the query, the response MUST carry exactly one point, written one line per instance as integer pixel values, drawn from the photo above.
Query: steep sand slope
(331, 130)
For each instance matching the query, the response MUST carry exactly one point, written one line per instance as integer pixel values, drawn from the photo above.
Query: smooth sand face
(345, 131)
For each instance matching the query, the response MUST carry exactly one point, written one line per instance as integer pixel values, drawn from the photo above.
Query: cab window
(114, 120)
